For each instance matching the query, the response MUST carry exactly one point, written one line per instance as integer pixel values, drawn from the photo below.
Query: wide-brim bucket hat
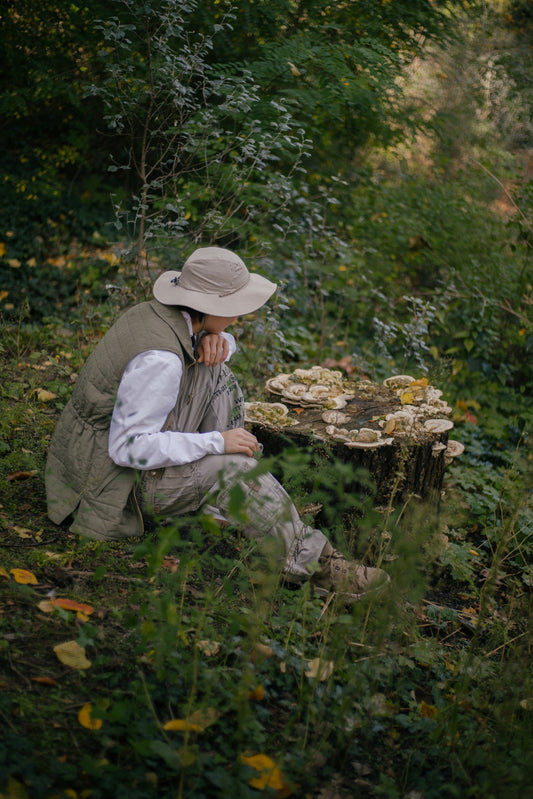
(214, 281)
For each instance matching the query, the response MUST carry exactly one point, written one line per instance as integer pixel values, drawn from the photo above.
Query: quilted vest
(80, 477)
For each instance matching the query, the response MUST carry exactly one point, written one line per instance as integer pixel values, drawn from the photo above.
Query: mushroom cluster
(313, 388)
(421, 412)
(363, 438)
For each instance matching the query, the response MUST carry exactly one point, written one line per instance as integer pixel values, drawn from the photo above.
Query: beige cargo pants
(210, 399)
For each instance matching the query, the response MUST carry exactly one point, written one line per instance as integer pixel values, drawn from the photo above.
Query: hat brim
(243, 301)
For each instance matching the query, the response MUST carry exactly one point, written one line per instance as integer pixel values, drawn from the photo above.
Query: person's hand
(241, 441)
(212, 349)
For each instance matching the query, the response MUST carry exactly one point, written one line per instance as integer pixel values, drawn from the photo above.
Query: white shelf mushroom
(398, 381)
(335, 417)
(438, 425)
(453, 450)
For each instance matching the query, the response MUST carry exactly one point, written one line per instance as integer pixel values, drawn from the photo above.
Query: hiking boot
(350, 580)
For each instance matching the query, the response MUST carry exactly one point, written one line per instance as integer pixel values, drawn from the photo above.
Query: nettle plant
(206, 158)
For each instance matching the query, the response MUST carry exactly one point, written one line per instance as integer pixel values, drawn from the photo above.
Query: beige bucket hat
(214, 281)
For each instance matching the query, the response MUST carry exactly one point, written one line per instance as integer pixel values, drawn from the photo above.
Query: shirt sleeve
(147, 393)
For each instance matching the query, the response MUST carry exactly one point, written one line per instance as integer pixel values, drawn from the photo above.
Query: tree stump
(396, 431)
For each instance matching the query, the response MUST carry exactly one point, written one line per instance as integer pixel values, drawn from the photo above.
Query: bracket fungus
(438, 425)
(453, 450)
(396, 429)
(271, 413)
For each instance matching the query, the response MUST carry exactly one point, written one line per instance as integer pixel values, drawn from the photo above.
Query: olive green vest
(81, 479)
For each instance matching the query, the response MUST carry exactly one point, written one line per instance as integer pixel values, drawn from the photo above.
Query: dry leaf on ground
(72, 654)
(86, 720)
(270, 776)
(24, 577)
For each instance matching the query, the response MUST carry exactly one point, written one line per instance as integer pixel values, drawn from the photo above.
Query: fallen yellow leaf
(73, 655)
(22, 532)
(182, 725)
(45, 606)
(86, 720)
(43, 395)
(320, 668)
(428, 711)
(209, 648)
(24, 577)
(196, 722)
(263, 651)
(270, 776)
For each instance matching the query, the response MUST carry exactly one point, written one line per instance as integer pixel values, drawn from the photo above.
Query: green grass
(423, 691)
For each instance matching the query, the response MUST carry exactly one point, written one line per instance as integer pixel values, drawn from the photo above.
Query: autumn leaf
(204, 717)
(24, 577)
(86, 720)
(21, 475)
(428, 711)
(209, 648)
(321, 669)
(45, 606)
(43, 395)
(73, 655)
(3, 573)
(45, 681)
(261, 652)
(270, 776)
(196, 722)
(22, 532)
(71, 604)
(182, 725)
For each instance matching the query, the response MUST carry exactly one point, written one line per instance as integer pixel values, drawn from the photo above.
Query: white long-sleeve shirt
(146, 394)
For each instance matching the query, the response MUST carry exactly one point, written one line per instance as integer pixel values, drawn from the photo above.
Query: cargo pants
(211, 399)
